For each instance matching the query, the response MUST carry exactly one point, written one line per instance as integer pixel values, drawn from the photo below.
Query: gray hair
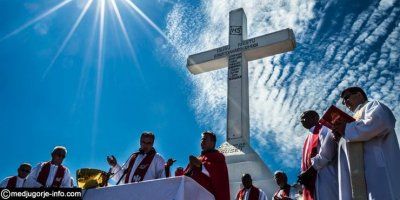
(58, 148)
(25, 165)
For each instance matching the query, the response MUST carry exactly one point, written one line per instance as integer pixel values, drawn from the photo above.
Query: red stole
(12, 182)
(141, 169)
(218, 182)
(254, 194)
(285, 192)
(310, 149)
(44, 174)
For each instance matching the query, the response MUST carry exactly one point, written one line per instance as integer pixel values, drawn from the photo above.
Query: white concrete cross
(236, 55)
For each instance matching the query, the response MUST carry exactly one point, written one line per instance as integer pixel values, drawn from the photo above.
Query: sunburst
(100, 20)
(101, 4)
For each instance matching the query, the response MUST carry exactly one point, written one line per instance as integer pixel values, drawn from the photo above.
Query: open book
(334, 115)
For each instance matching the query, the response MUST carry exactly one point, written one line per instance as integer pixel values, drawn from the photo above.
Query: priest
(145, 164)
(51, 174)
(17, 181)
(375, 127)
(249, 191)
(209, 169)
(285, 191)
(324, 163)
(309, 119)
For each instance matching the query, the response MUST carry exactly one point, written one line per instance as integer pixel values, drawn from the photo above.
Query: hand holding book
(336, 120)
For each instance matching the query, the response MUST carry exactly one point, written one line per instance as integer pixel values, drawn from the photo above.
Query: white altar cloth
(174, 188)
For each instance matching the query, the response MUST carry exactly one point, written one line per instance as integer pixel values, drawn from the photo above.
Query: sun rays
(147, 19)
(126, 36)
(96, 41)
(102, 12)
(36, 19)
(70, 33)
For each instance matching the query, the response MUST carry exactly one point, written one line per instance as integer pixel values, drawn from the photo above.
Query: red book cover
(333, 115)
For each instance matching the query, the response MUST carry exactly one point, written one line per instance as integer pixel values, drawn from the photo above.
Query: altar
(174, 188)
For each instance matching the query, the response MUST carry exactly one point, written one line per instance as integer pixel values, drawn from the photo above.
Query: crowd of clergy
(325, 165)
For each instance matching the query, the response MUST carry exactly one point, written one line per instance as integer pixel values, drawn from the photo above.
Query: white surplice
(375, 127)
(31, 180)
(19, 184)
(325, 162)
(155, 171)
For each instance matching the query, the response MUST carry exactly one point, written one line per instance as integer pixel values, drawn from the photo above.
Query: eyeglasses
(346, 98)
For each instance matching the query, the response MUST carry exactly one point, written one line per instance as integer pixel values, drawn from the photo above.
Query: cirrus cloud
(337, 47)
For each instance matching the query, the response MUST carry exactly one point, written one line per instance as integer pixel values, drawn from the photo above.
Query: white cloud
(283, 86)
(385, 4)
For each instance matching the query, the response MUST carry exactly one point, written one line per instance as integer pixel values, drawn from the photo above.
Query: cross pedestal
(240, 157)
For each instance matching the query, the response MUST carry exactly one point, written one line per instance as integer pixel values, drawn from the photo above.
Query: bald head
(247, 181)
(309, 119)
(280, 178)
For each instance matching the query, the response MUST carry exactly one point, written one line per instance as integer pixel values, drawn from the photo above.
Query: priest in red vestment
(309, 120)
(179, 171)
(51, 174)
(19, 180)
(249, 191)
(145, 164)
(209, 169)
(285, 190)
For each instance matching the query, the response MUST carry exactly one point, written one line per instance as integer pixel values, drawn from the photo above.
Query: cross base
(241, 159)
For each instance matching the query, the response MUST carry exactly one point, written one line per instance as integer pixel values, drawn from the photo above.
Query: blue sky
(63, 81)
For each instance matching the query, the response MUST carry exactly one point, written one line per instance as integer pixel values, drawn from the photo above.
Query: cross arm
(271, 44)
(255, 48)
(207, 61)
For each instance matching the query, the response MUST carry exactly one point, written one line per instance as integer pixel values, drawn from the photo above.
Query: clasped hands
(194, 161)
(307, 176)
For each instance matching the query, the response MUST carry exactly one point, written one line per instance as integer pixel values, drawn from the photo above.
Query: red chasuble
(12, 182)
(254, 194)
(310, 149)
(218, 182)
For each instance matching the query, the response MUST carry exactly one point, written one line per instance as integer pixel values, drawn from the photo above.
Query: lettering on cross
(236, 56)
